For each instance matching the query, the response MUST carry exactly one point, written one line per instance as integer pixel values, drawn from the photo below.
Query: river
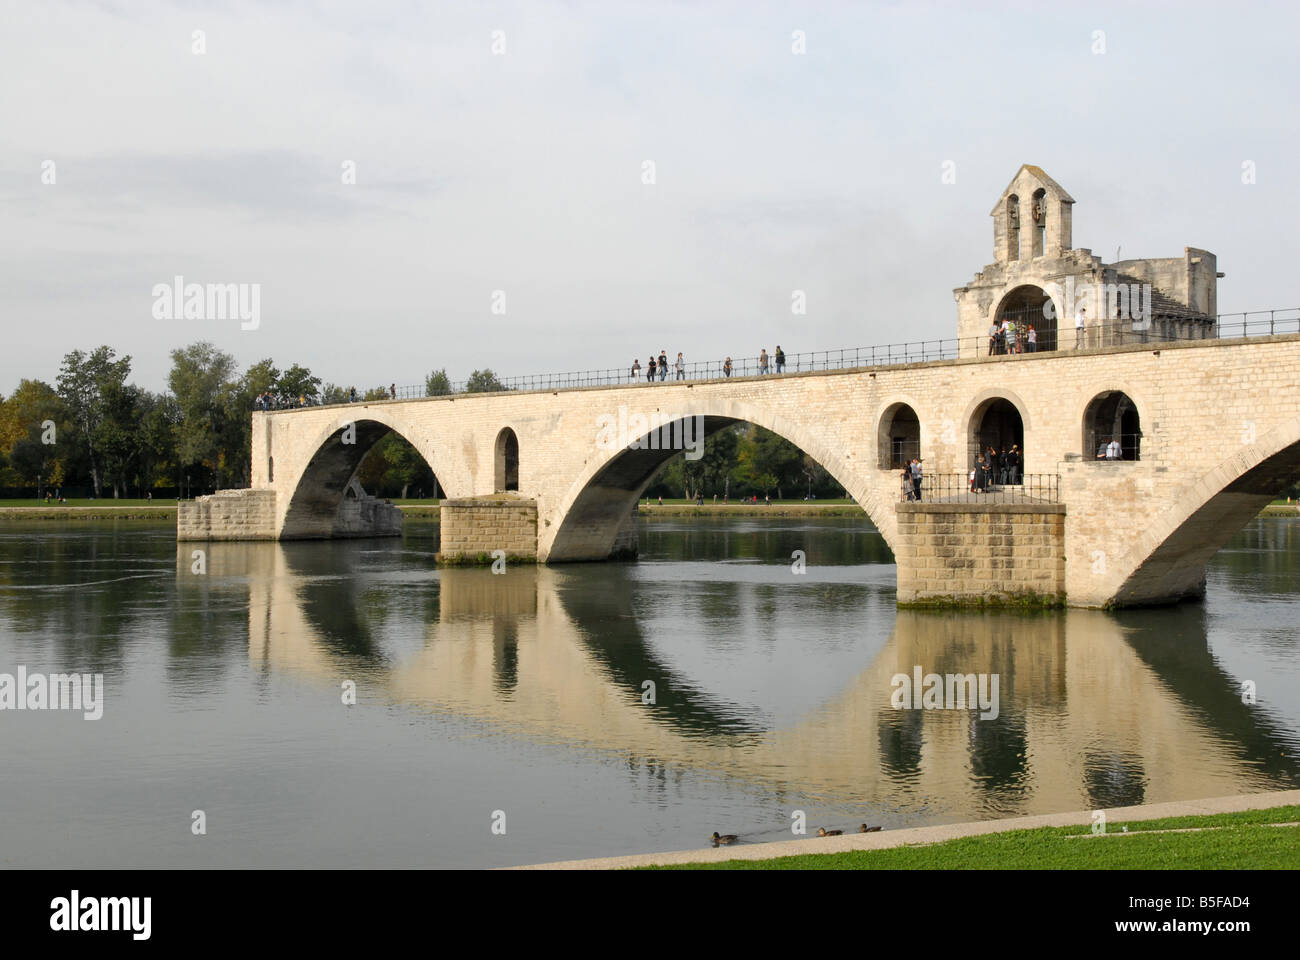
(740, 671)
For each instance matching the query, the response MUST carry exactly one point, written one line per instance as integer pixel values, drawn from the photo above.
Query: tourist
(981, 474)
(663, 365)
(1080, 327)
(302, 401)
(1031, 339)
(1102, 448)
(780, 359)
(993, 337)
(972, 480)
(726, 367)
(1009, 328)
(352, 394)
(661, 499)
(636, 369)
(916, 477)
(392, 391)
(1013, 468)
(1113, 450)
(680, 366)
(1002, 339)
(762, 362)
(650, 370)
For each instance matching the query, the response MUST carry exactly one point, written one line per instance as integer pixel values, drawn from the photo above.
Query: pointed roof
(1038, 174)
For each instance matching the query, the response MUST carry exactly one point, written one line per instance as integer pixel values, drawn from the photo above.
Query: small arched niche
(1112, 416)
(899, 436)
(507, 461)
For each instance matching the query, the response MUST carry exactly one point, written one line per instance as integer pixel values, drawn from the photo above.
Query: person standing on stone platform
(1031, 340)
(762, 362)
(650, 370)
(726, 367)
(663, 365)
(681, 366)
(993, 337)
(636, 368)
(780, 359)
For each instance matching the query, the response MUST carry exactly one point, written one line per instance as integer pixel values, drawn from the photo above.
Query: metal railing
(1260, 323)
(970, 487)
(1130, 447)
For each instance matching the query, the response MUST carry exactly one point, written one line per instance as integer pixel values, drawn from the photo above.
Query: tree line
(95, 430)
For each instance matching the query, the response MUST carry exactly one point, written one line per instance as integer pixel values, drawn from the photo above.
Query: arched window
(1112, 428)
(899, 436)
(1027, 306)
(507, 461)
(997, 432)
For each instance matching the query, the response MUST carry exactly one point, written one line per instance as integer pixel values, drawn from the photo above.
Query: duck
(866, 829)
(724, 838)
(823, 832)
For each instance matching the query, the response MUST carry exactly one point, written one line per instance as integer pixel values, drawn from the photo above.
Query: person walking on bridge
(636, 369)
(680, 366)
(650, 370)
(663, 365)
(916, 477)
(726, 367)
(780, 359)
(762, 362)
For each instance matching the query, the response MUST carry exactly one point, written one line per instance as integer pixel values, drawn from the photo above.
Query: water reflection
(1096, 710)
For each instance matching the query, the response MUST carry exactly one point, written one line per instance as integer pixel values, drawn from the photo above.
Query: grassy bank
(1253, 839)
(88, 510)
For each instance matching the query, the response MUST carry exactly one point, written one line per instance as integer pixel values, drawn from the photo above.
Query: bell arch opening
(996, 438)
(506, 460)
(898, 437)
(1112, 428)
(1024, 307)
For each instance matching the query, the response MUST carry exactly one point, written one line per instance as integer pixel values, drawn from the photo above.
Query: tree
(201, 381)
(436, 384)
(483, 381)
(334, 394)
(298, 382)
(84, 381)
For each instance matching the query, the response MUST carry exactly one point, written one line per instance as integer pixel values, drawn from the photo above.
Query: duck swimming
(866, 829)
(823, 832)
(724, 838)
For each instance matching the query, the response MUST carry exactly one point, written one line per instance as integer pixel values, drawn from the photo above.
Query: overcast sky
(523, 172)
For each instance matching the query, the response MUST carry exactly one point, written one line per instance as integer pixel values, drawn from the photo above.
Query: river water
(595, 709)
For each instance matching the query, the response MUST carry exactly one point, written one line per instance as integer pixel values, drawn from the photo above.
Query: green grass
(1241, 841)
(102, 502)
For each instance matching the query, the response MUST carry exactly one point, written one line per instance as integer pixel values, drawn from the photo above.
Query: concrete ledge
(925, 835)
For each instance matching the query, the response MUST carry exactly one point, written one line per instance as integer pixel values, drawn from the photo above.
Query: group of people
(1110, 451)
(1007, 336)
(269, 401)
(992, 467)
(657, 369)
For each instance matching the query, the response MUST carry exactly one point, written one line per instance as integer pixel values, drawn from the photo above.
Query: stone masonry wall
(476, 526)
(227, 515)
(980, 553)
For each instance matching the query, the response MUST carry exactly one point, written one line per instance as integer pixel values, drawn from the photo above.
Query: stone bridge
(1210, 431)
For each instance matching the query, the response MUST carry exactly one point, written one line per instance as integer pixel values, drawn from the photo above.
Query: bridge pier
(998, 554)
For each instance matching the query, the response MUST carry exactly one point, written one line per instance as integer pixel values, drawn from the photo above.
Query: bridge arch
(311, 507)
(600, 501)
(1167, 559)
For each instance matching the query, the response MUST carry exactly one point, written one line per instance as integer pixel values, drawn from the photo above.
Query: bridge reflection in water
(1095, 710)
